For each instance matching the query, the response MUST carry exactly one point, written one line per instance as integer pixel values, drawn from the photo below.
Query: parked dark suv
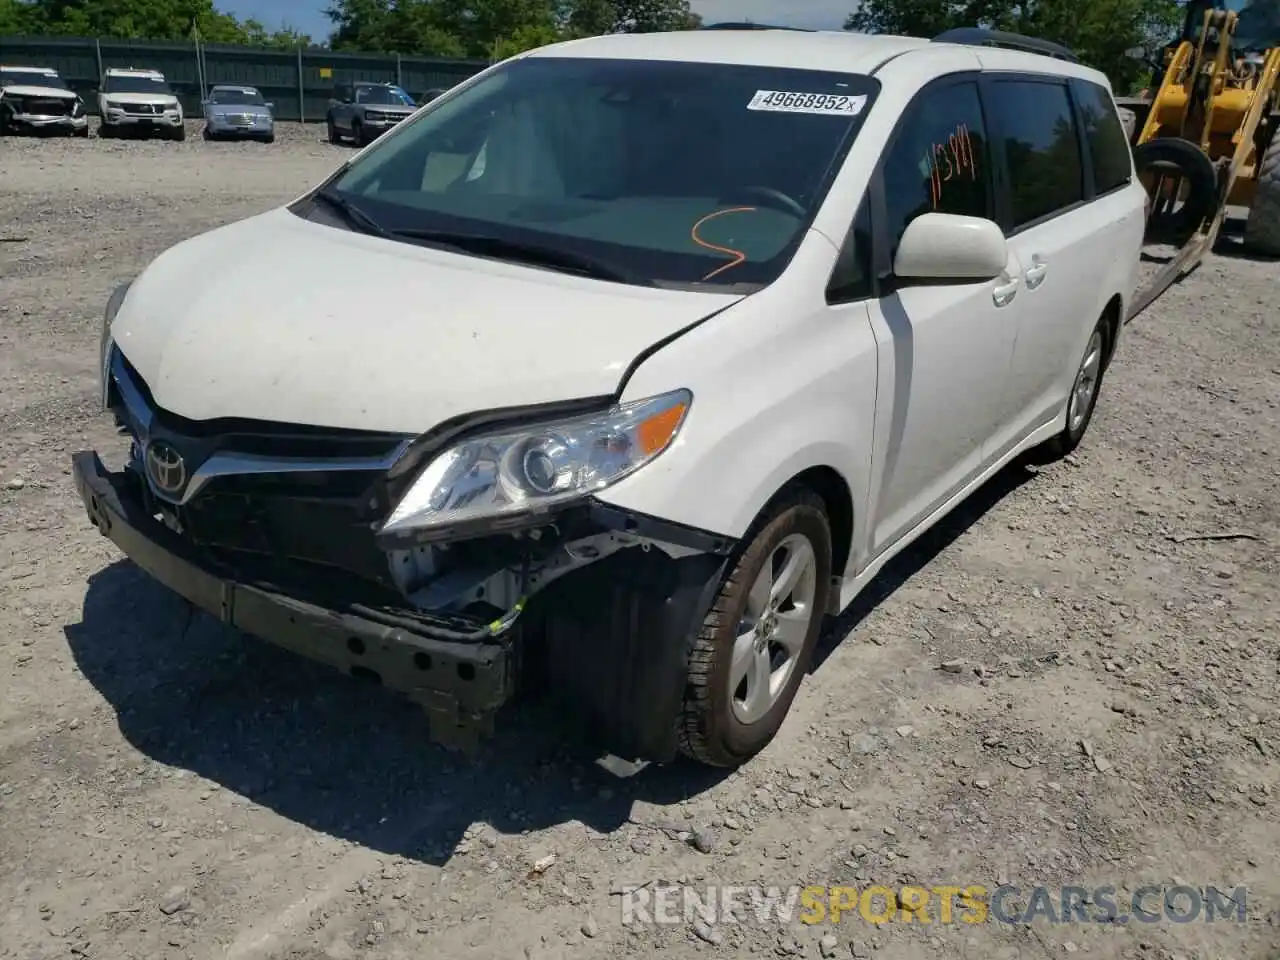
(364, 109)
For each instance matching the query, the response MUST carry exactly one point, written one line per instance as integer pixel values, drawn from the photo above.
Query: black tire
(1262, 229)
(179, 133)
(334, 135)
(82, 132)
(269, 138)
(106, 131)
(1066, 442)
(358, 134)
(207, 134)
(709, 731)
(1186, 159)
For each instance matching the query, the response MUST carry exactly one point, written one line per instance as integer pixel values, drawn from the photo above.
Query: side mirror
(270, 104)
(944, 246)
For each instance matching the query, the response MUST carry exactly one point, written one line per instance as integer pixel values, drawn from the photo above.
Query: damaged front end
(452, 567)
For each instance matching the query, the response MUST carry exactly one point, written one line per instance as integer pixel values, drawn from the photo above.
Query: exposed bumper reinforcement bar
(460, 684)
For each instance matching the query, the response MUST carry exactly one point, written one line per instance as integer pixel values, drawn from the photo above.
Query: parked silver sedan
(234, 111)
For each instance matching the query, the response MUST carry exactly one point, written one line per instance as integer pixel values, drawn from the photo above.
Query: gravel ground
(1107, 714)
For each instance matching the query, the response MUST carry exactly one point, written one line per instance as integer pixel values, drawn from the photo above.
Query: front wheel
(81, 132)
(334, 136)
(756, 643)
(180, 133)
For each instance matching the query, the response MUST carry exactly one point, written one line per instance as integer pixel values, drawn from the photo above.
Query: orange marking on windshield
(739, 257)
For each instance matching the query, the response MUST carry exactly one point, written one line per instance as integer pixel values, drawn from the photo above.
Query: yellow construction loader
(1206, 139)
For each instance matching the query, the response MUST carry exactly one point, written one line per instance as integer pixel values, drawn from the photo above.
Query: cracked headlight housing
(537, 468)
(105, 341)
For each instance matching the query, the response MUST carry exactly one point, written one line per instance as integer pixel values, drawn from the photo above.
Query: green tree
(492, 29)
(526, 37)
(286, 38)
(653, 16)
(139, 20)
(17, 17)
(1100, 31)
(923, 18)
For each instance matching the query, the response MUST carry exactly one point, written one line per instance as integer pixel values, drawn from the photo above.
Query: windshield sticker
(827, 104)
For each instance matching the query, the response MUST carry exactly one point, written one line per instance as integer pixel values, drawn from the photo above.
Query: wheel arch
(1114, 313)
(836, 496)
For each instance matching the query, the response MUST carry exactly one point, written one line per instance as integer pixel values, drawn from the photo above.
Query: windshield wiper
(353, 214)
(521, 251)
(535, 254)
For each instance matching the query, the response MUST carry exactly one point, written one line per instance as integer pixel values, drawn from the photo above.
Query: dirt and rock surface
(1107, 713)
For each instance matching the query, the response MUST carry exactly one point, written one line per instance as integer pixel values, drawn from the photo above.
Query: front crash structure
(274, 529)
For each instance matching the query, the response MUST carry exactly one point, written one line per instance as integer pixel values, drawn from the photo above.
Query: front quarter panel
(781, 384)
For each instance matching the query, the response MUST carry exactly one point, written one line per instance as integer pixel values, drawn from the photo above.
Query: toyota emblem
(166, 468)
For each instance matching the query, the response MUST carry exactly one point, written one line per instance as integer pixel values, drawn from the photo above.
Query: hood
(168, 99)
(278, 318)
(25, 91)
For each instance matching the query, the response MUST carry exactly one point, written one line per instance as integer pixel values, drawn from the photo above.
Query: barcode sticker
(827, 104)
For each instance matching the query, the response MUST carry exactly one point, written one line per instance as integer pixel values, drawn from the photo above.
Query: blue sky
(308, 15)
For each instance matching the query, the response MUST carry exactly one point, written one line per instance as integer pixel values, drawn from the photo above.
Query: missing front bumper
(460, 684)
(611, 639)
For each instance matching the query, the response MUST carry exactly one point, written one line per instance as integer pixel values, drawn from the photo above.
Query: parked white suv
(622, 365)
(138, 101)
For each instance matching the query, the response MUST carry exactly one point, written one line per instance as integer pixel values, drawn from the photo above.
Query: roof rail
(978, 37)
(748, 25)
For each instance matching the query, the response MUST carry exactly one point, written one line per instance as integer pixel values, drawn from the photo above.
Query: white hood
(28, 91)
(167, 99)
(277, 318)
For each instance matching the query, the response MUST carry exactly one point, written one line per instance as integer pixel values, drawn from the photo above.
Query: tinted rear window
(1038, 136)
(1108, 145)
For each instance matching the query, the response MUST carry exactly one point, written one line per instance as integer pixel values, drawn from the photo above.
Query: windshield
(383, 95)
(238, 95)
(116, 84)
(677, 173)
(30, 78)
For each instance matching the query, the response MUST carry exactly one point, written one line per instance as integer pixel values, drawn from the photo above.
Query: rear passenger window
(1039, 140)
(1108, 145)
(939, 160)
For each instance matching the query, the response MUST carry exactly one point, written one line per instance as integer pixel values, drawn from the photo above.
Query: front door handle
(1003, 295)
(1036, 273)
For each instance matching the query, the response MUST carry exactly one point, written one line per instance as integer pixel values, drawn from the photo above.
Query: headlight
(77, 108)
(112, 105)
(532, 470)
(104, 344)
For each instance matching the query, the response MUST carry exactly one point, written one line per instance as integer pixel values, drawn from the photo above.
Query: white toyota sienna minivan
(622, 365)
